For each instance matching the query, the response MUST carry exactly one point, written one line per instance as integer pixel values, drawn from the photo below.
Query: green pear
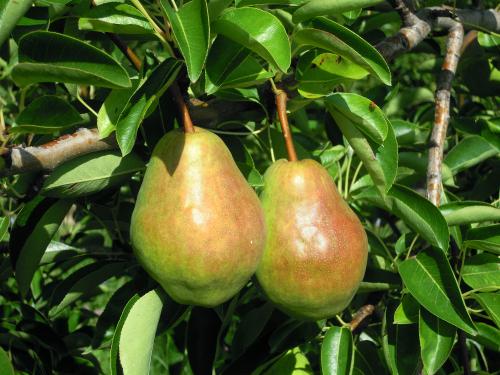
(197, 226)
(316, 248)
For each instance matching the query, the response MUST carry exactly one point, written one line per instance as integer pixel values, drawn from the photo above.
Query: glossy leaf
(4, 227)
(313, 8)
(10, 13)
(135, 333)
(251, 327)
(90, 174)
(408, 310)
(337, 351)
(249, 73)
(191, 30)
(368, 359)
(293, 362)
(488, 336)
(400, 345)
(151, 89)
(491, 303)
(484, 238)
(115, 17)
(363, 113)
(52, 57)
(436, 341)
(468, 212)
(36, 119)
(482, 271)
(257, 30)
(380, 161)
(470, 151)
(336, 38)
(430, 279)
(34, 228)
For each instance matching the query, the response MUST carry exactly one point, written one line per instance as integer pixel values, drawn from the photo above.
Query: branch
(360, 316)
(281, 99)
(428, 19)
(442, 112)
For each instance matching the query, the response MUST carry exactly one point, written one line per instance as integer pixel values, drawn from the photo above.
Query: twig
(360, 315)
(183, 109)
(442, 112)
(405, 11)
(281, 99)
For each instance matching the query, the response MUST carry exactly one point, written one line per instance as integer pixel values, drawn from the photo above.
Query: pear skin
(197, 226)
(316, 248)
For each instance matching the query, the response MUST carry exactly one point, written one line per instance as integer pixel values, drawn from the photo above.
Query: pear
(316, 248)
(197, 227)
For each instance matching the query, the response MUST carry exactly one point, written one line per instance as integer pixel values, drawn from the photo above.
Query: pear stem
(181, 104)
(281, 98)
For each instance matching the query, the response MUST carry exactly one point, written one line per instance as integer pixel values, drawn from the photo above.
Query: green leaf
(85, 281)
(420, 215)
(293, 362)
(134, 336)
(468, 212)
(4, 227)
(10, 13)
(482, 271)
(379, 160)
(488, 336)
(408, 310)
(5, 363)
(191, 30)
(430, 279)
(48, 214)
(52, 57)
(436, 341)
(491, 303)
(484, 238)
(151, 89)
(249, 73)
(90, 174)
(364, 114)
(368, 359)
(400, 344)
(250, 328)
(259, 31)
(115, 17)
(319, 74)
(470, 151)
(315, 8)
(338, 39)
(337, 351)
(36, 119)
(111, 109)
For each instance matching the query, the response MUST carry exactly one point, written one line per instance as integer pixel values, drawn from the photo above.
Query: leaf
(319, 74)
(337, 351)
(248, 73)
(482, 271)
(468, 152)
(115, 17)
(491, 303)
(34, 228)
(420, 215)
(315, 8)
(380, 161)
(293, 362)
(4, 227)
(250, 328)
(484, 238)
(52, 57)
(259, 31)
(134, 336)
(363, 113)
(36, 119)
(191, 30)
(400, 345)
(430, 279)
(90, 174)
(82, 282)
(436, 341)
(488, 336)
(336, 38)
(5, 363)
(151, 89)
(111, 109)
(408, 310)
(203, 330)
(468, 212)
(368, 359)
(10, 13)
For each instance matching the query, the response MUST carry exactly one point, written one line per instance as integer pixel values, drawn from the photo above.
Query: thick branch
(437, 18)
(442, 112)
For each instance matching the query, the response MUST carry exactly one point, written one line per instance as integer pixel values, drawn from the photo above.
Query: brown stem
(360, 315)
(183, 109)
(126, 50)
(442, 112)
(281, 98)
(470, 37)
